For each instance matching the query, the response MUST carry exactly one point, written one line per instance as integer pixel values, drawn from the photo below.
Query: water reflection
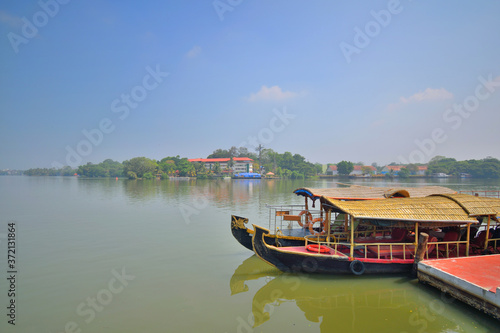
(251, 269)
(353, 304)
(231, 193)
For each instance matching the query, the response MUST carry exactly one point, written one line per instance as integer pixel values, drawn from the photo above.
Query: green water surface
(112, 256)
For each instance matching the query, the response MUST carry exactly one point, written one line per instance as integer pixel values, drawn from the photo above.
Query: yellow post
(352, 237)
(416, 234)
(327, 225)
(487, 233)
(468, 240)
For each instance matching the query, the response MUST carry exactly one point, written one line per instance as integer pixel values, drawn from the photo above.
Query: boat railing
(389, 251)
(446, 249)
(483, 193)
(495, 243)
(345, 235)
(283, 217)
(334, 244)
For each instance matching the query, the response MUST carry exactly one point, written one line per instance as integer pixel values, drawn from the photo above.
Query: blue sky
(371, 81)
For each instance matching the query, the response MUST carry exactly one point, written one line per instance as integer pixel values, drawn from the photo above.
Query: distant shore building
(240, 164)
(396, 168)
(422, 170)
(360, 170)
(332, 170)
(357, 171)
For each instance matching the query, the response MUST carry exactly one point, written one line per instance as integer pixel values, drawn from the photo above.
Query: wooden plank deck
(473, 280)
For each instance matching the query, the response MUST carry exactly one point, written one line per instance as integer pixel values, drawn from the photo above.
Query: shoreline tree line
(283, 165)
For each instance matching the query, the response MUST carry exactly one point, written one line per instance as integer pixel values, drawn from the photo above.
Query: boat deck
(473, 280)
(302, 249)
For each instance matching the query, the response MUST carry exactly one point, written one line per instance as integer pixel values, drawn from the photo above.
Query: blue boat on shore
(247, 175)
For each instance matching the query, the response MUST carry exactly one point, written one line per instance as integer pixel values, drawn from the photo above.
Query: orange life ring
(317, 248)
(308, 217)
(314, 232)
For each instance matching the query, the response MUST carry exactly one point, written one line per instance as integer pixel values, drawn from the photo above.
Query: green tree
(318, 168)
(200, 169)
(168, 166)
(344, 168)
(217, 169)
(404, 173)
(148, 175)
(296, 175)
(220, 153)
(286, 173)
(140, 166)
(412, 169)
(186, 168)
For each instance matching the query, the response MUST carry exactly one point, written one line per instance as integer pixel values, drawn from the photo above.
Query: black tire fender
(357, 267)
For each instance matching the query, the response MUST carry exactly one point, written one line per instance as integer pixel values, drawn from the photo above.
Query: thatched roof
(370, 193)
(453, 208)
(476, 206)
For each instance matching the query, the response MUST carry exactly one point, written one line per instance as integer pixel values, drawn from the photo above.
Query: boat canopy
(357, 192)
(442, 208)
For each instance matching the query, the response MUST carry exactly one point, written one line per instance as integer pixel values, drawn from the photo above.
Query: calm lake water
(158, 256)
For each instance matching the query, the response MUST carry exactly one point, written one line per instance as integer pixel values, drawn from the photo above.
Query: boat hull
(299, 262)
(244, 235)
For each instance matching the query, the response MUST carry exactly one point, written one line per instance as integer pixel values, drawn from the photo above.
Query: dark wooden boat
(297, 259)
(362, 248)
(289, 224)
(244, 235)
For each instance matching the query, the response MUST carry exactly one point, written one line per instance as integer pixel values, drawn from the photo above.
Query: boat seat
(397, 250)
(477, 244)
(431, 249)
(296, 218)
(450, 236)
(397, 236)
(282, 212)
(384, 251)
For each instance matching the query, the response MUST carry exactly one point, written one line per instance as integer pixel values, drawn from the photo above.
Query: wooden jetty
(472, 280)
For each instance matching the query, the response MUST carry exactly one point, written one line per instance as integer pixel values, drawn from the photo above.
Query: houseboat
(289, 224)
(379, 236)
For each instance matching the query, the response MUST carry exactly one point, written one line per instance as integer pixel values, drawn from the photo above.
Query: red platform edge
(483, 271)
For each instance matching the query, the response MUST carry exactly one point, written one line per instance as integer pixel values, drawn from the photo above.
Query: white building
(240, 164)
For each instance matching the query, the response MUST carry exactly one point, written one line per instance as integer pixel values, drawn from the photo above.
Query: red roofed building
(422, 170)
(241, 164)
(396, 168)
(358, 170)
(332, 170)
